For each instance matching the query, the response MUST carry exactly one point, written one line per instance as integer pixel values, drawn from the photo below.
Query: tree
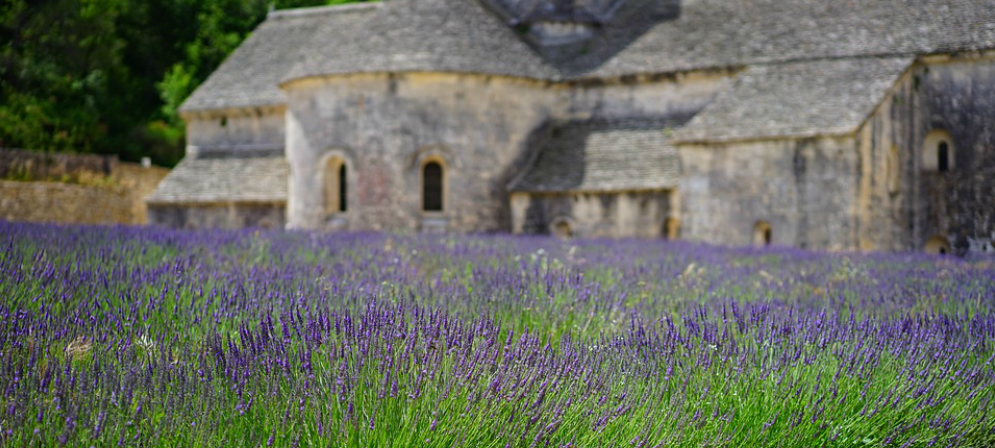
(57, 63)
(106, 76)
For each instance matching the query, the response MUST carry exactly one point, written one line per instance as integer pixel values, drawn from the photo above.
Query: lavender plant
(151, 337)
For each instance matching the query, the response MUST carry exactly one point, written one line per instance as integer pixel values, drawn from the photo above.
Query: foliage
(107, 76)
(152, 337)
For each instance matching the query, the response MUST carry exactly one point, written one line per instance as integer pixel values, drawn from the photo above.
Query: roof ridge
(320, 10)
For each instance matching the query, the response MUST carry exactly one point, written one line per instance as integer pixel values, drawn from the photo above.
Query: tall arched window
(342, 188)
(334, 186)
(938, 152)
(432, 187)
(762, 234)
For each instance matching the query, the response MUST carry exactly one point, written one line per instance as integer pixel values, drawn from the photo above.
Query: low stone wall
(65, 203)
(219, 216)
(593, 215)
(74, 189)
(16, 164)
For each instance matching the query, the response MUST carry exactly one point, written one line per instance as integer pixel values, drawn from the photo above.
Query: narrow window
(939, 152)
(762, 234)
(342, 188)
(943, 157)
(334, 186)
(432, 200)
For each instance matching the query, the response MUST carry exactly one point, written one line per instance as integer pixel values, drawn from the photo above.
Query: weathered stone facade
(594, 215)
(480, 128)
(611, 118)
(803, 188)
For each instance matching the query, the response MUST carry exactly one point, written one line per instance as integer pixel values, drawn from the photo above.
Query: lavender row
(154, 337)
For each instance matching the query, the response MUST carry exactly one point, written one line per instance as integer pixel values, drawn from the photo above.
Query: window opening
(943, 157)
(432, 186)
(342, 188)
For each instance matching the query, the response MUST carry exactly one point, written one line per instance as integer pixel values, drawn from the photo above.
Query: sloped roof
(803, 99)
(724, 33)
(601, 156)
(650, 36)
(644, 37)
(422, 35)
(224, 179)
(251, 75)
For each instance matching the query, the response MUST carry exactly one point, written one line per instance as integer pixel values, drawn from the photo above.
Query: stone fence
(70, 188)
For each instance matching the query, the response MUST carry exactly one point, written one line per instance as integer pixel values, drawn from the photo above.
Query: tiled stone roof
(605, 156)
(800, 99)
(730, 33)
(643, 37)
(226, 179)
(651, 36)
(251, 74)
(422, 35)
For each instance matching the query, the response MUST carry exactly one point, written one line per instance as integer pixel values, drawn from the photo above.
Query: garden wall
(74, 189)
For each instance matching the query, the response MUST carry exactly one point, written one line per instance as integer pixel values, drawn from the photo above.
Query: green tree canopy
(106, 76)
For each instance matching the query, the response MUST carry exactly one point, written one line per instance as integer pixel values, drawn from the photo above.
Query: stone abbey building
(857, 124)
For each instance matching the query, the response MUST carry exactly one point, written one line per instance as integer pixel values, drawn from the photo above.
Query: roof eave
(766, 138)
(613, 190)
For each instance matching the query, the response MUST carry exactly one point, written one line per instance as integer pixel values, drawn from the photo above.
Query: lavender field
(151, 337)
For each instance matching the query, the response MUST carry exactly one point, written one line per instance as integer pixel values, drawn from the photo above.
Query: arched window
(335, 186)
(938, 152)
(762, 234)
(432, 187)
(937, 245)
(671, 229)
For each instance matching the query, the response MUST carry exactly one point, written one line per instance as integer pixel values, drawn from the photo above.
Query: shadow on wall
(579, 36)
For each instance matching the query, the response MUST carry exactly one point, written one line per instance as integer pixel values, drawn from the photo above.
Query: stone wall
(593, 215)
(384, 127)
(65, 203)
(248, 129)
(50, 166)
(953, 95)
(219, 216)
(804, 189)
(67, 188)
